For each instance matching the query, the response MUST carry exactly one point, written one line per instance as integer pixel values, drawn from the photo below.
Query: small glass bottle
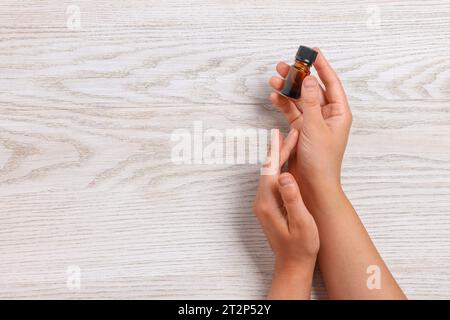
(304, 59)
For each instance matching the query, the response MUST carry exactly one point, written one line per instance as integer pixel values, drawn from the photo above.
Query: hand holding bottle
(323, 118)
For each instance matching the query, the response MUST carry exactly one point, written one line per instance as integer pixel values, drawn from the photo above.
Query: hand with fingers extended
(289, 227)
(323, 117)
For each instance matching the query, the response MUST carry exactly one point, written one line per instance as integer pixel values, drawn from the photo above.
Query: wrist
(292, 280)
(321, 183)
(295, 271)
(322, 195)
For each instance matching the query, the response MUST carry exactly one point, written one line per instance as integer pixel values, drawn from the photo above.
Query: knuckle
(291, 195)
(310, 102)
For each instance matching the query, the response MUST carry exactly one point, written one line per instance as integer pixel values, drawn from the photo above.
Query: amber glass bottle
(304, 59)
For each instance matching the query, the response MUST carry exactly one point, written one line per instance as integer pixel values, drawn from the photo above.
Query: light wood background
(85, 121)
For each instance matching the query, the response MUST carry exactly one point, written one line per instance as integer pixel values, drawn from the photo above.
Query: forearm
(292, 283)
(347, 251)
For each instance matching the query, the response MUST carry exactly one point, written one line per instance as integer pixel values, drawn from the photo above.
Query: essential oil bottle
(304, 59)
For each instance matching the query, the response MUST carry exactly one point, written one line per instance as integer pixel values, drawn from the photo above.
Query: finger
(270, 216)
(283, 69)
(310, 99)
(268, 200)
(333, 86)
(271, 167)
(288, 146)
(292, 199)
(286, 106)
(322, 98)
(276, 83)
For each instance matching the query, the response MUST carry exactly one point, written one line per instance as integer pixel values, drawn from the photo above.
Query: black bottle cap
(306, 54)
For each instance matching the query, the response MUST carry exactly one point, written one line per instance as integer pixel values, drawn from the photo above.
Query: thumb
(310, 99)
(290, 194)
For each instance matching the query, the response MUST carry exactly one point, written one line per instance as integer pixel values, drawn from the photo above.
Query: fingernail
(285, 180)
(309, 82)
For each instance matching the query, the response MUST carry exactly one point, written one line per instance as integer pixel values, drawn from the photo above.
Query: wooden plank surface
(86, 178)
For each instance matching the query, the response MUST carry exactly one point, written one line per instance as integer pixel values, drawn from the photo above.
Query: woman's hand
(323, 118)
(289, 227)
(346, 250)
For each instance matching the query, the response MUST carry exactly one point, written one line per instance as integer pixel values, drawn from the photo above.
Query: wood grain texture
(86, 116)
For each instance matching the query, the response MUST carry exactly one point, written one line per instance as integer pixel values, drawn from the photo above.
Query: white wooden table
(86, 113)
